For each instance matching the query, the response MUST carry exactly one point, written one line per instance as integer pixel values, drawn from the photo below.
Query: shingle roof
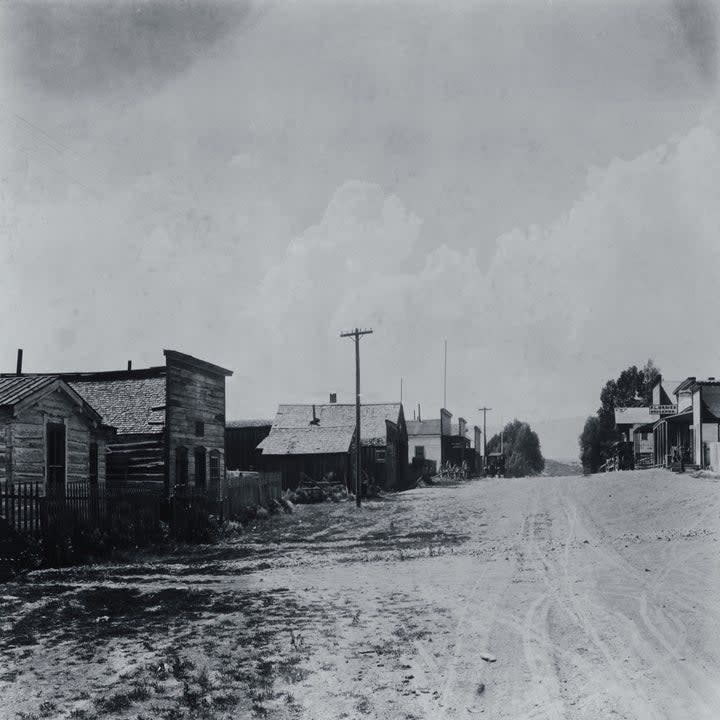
(18, 387)
(293, 432)
(132, 405)
(307, 441)
(423, 427)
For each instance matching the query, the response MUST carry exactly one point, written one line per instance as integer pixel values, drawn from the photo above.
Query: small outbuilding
(49, 434)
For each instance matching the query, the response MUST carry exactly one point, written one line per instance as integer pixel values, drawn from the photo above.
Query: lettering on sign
(663, 409)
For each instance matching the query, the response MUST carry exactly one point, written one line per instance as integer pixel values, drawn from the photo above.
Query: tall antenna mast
(445, 379)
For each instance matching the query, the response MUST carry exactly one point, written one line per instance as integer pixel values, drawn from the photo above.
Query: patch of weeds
(47, 708)
(27, 716)
(82, 714)
(292, 672)
(114, 703)
(139, 692)
(225, 701)
(297, 641)
(363, 706)
(355, 618)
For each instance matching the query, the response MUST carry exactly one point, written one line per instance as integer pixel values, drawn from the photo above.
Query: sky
(535, 183)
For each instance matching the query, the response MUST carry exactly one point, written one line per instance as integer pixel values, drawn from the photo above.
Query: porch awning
(683, 418)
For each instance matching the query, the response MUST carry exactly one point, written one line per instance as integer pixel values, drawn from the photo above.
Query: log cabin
(49, 434)
(169, 421)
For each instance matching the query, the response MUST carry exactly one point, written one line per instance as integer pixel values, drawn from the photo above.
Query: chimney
(315, 420)
(419, 418)
(129, 364)
(333, 398)
(18, 370)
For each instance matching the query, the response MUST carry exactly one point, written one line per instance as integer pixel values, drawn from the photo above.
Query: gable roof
(311, 440)
(294, 433)
(20, 390)
(14, 389)
(132, 405)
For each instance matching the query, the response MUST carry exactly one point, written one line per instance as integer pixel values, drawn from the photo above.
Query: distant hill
(556, 468)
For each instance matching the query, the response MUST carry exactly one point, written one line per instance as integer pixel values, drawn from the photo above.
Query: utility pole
(484, 411)
(356, 334)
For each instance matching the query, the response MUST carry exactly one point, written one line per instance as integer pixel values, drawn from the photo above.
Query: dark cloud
(80, 48)
(698, 19)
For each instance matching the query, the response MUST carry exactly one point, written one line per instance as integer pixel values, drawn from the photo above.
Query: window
(94, 463)
(199, 428)
(643, 436)
(55, 441)
(200, 467)
(181, 465)
(380, 454)
(215, 468)
(420, 452)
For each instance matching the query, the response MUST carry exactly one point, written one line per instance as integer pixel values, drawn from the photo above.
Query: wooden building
(312, 441)
(430, 440)
(242, 438)
(693, 424)
(169, 421)
(635, 446)
(49, 434)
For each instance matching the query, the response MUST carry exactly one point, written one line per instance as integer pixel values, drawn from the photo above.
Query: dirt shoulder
(597, 596)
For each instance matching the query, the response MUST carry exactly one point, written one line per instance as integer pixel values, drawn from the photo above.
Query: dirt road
(596, 597)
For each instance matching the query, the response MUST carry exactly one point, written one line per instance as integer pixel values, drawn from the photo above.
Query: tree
(632, 388)
(521, 448)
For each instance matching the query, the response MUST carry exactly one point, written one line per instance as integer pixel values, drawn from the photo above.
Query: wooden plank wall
(25, 441)
(136, 459)
(193, 395)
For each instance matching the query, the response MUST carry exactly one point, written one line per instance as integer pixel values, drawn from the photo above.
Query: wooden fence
(125, 513)
(249, 489)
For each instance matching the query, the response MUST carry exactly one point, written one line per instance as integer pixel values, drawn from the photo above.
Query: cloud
(630, 271)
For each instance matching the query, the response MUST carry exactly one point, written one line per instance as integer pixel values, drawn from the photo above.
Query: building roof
(424, 427)
(132, 405)
(16, 388)
(633, 415)
(231, 424)
(21, 389)
(294, 431)
(312, 440)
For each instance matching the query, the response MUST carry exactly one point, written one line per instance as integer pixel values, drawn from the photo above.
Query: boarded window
(181, 465)
(199, 428)
(200, 467)
(420, 452)
(55, 439)
(94, 463)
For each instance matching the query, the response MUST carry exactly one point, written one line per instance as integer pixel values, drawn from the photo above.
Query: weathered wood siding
(4, 446)
(194, 395)
(24, 442)
(295, 468)
(136, 459)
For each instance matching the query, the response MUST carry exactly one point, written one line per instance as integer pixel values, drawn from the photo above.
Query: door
(55, 442)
